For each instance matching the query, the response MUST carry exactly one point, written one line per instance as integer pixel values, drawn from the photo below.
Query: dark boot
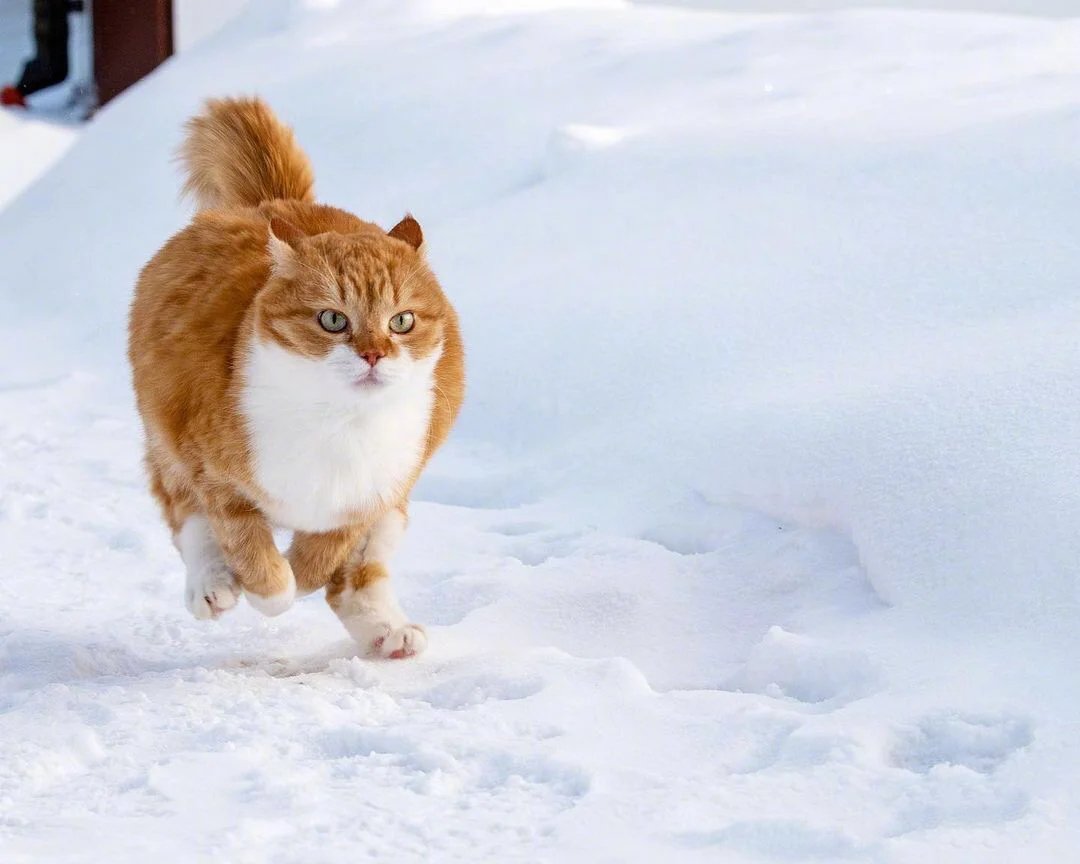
(50, 65)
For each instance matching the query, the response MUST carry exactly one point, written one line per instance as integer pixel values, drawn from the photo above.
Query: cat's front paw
(211, 590)
(386, 640)
(371, 614)
(400, 643)
(276, 593)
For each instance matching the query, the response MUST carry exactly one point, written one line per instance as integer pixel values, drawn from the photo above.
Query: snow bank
(28, 147)
(822, 266)
(1049, 8)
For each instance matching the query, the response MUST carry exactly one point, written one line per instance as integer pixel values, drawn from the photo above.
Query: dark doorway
(131, 39)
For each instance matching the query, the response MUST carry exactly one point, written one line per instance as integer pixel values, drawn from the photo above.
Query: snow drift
(805, 263)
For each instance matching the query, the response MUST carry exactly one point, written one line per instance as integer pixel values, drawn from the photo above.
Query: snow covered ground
(758, 538)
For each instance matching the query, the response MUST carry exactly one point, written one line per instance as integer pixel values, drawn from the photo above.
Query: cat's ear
(281, 246)
(408, 229)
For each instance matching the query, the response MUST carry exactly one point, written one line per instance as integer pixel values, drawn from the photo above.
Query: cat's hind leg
(362, 597)
(316, 557)
(210, 587)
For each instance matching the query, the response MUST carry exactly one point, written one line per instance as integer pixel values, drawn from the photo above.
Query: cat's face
(359, 314)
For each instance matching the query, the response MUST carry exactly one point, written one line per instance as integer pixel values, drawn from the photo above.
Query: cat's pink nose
(372, 357)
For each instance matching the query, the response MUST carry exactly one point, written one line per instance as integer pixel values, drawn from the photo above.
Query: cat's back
(204, 276)
(189, 303)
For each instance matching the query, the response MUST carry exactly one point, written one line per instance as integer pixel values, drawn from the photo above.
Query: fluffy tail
(238, 154)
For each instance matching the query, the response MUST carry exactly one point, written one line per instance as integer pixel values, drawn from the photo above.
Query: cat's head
(357, 314)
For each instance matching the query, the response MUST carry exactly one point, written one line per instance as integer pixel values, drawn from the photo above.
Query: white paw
(275, 604)
(211, 590)
(388, 641)
(375, 620)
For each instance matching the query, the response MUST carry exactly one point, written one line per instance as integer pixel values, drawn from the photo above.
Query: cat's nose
(372, 357)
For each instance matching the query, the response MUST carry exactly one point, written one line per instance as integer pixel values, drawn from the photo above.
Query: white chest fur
(322, 450)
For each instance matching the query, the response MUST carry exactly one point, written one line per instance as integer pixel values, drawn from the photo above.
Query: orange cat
(294, 366)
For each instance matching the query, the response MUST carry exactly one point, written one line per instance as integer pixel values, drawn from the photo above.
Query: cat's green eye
(332, 321)
(402, 322)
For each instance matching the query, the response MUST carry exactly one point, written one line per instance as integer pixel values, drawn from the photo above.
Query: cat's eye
(402, 322)
(332, 321)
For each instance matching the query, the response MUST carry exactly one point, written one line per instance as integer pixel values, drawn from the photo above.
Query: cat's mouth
(368, 380)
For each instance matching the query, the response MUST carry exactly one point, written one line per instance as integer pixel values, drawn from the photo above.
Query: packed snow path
(758, 538)
(129, 730)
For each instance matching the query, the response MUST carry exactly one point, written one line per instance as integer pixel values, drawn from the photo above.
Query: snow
(1050, 8)
(757, 538)
(196, 20)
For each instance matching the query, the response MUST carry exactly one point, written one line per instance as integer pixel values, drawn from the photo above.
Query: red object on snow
(10, 96)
